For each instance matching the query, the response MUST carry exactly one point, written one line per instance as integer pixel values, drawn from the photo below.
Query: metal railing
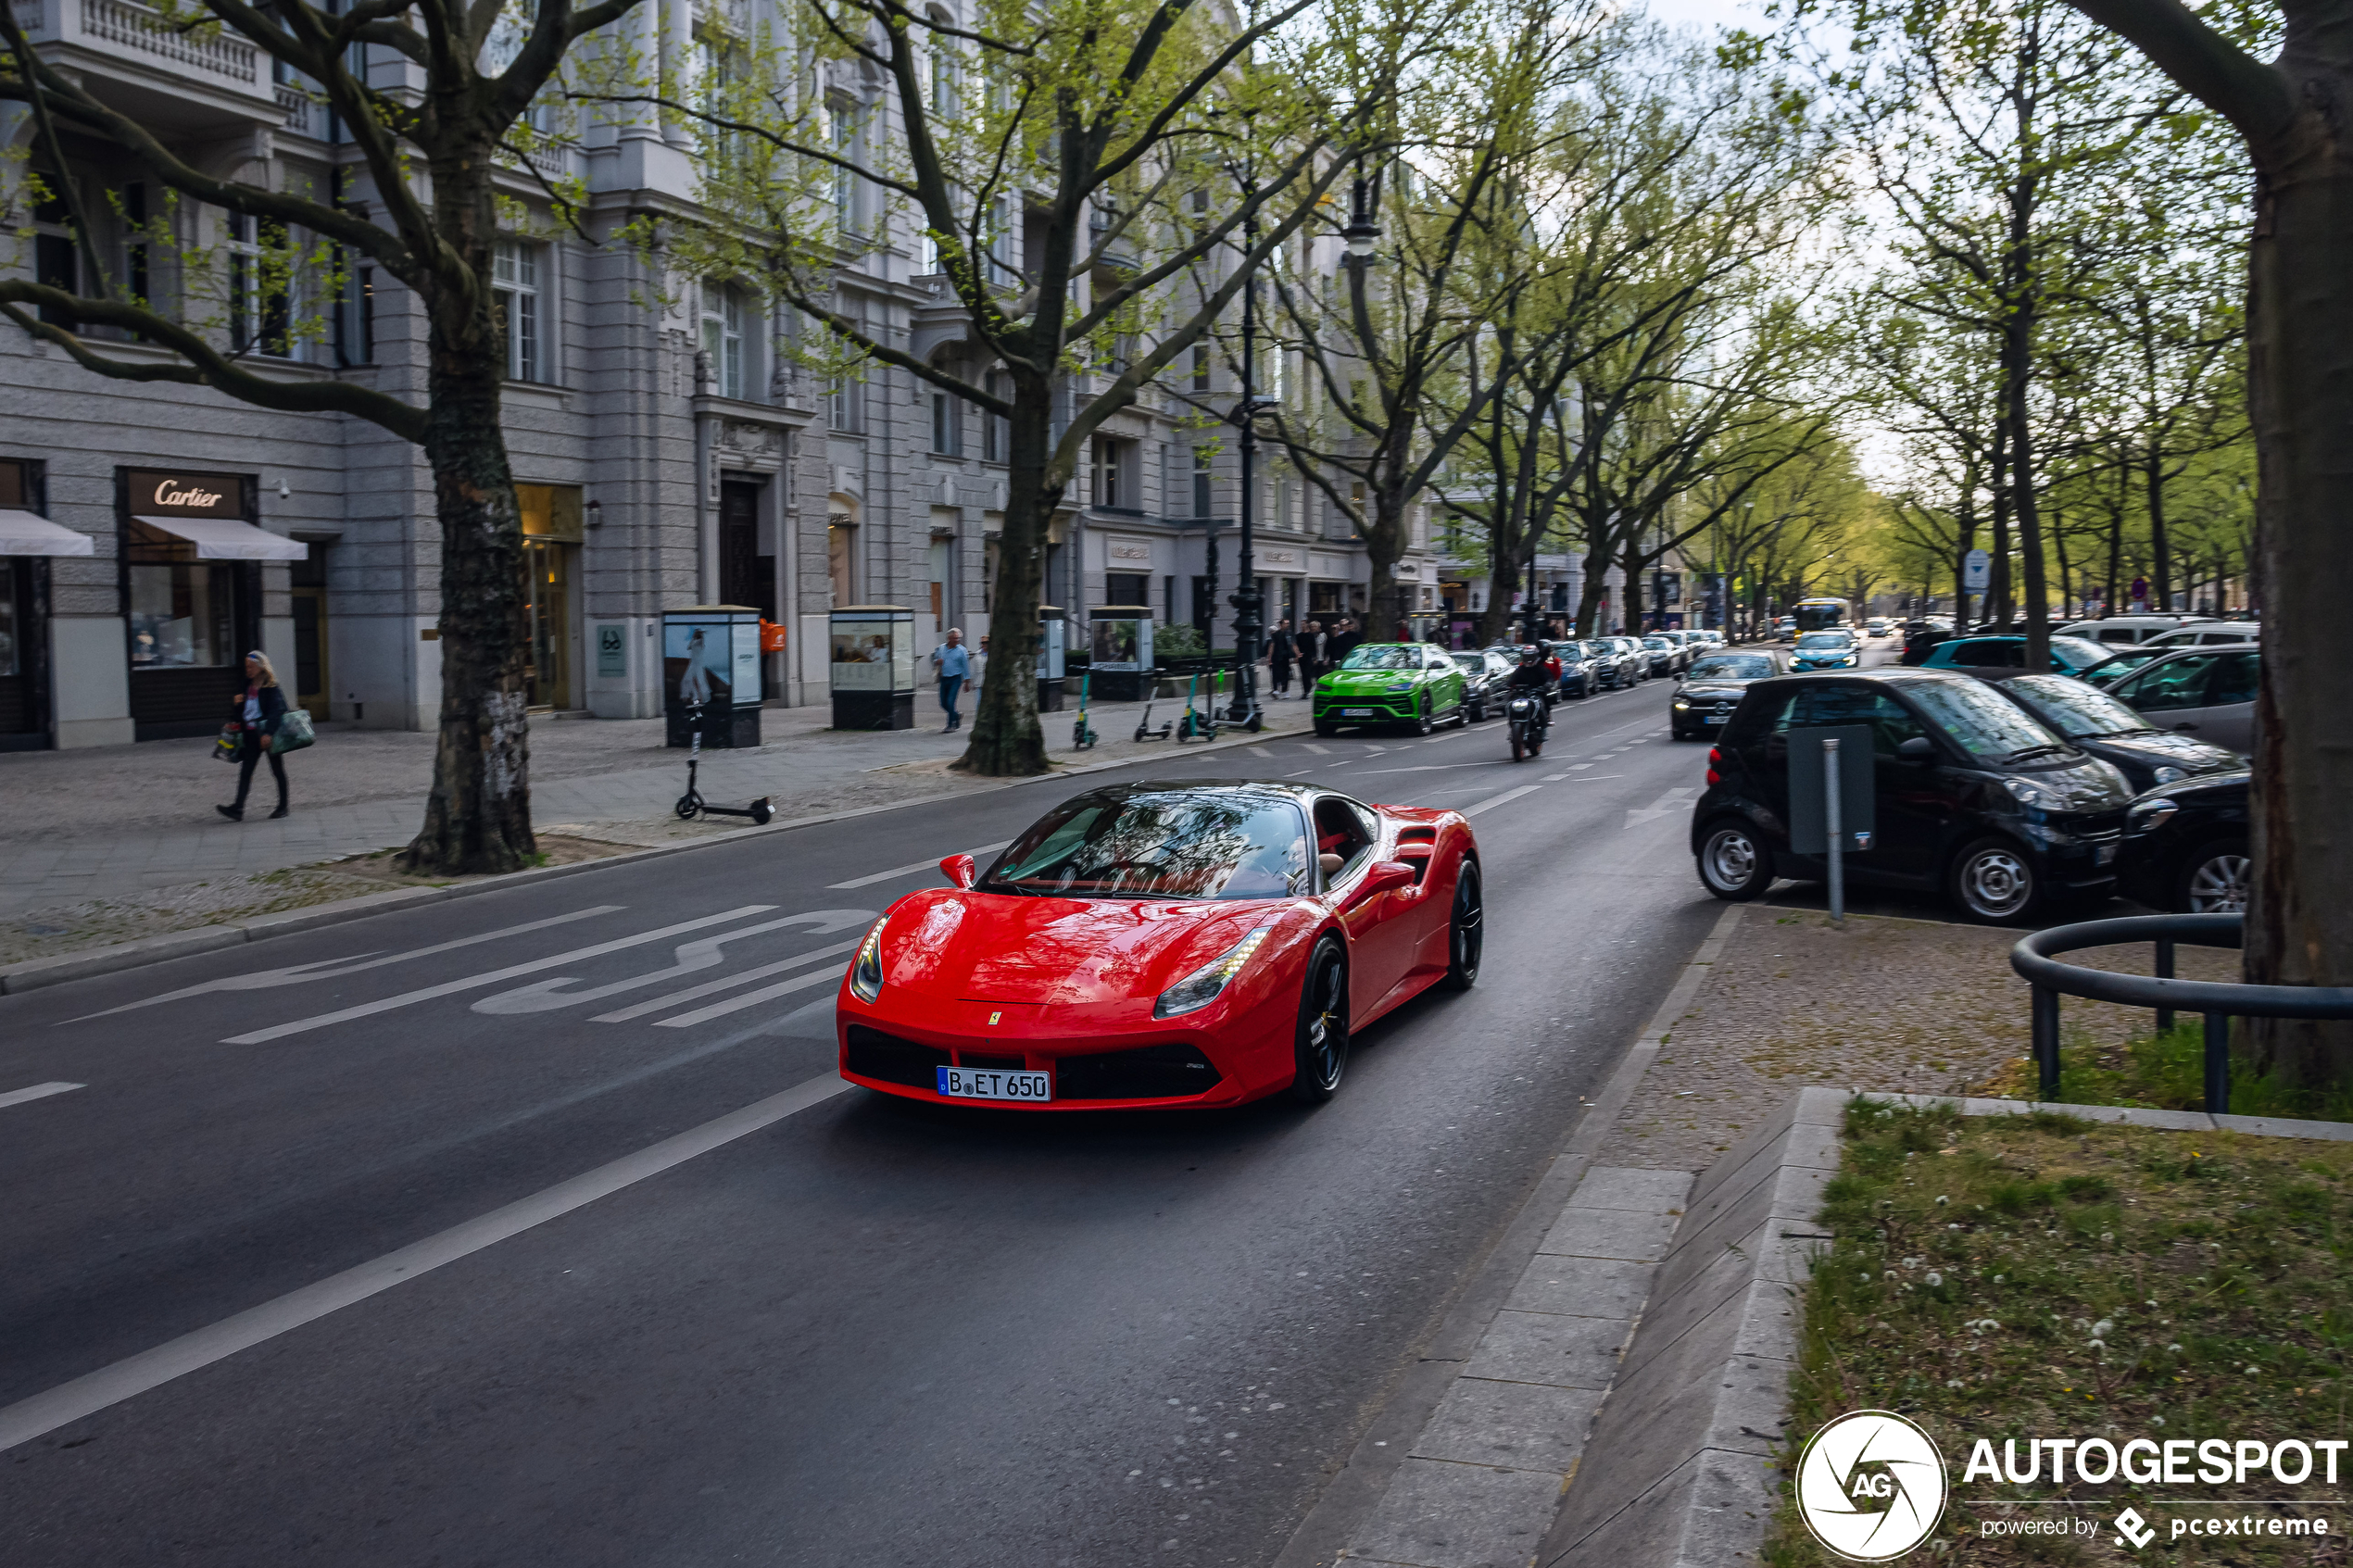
(2164, 994)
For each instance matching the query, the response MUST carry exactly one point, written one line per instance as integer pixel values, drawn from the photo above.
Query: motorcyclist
(1537, 673)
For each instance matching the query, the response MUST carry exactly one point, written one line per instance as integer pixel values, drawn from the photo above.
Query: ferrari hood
(1003, 948)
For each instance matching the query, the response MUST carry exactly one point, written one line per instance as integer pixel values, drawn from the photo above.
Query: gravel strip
(1897, 1006)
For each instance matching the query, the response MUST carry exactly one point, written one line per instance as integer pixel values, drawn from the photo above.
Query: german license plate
(982, 1083)
(2103, 855)
(1711, 718)
(1355, 712)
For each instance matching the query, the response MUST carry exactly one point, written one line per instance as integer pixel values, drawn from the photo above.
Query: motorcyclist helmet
(1531, 654)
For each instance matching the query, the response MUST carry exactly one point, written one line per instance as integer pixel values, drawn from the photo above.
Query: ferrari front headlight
(867, 974)
(1203, 987)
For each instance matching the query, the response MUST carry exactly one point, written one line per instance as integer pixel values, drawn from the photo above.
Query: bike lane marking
(38, 1091)
(725, 983)
(451, 988)
(916, 866)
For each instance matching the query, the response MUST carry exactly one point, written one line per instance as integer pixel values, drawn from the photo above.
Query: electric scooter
(692, 804)
(1199, 725)
(1144, 730)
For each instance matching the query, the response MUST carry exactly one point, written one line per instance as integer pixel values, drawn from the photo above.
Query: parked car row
(2009, 796)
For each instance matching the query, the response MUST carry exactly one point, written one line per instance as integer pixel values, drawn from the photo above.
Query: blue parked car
(1998, 659)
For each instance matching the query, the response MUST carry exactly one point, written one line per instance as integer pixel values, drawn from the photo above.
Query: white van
(2126, 631)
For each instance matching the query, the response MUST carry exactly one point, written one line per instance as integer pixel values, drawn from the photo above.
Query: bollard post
(2164, 971)
(2218, 1064)
(1834, 832)
(2046, 1044)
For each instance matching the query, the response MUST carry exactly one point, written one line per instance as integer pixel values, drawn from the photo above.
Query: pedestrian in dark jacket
(1343, 642)
(1279, 651)
(258, 711)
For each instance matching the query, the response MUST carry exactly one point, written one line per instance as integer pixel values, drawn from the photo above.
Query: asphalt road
(857, 1333)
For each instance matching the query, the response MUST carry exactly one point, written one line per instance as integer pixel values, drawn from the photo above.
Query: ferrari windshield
(1732, 667)
(1220, 844)
(1384, 656)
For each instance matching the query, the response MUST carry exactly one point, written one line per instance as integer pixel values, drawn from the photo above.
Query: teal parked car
(1409, 683)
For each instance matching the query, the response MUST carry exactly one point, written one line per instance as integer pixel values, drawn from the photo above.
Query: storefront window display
(182, 608)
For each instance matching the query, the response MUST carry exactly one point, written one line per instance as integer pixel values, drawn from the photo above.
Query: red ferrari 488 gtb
(1160, 944)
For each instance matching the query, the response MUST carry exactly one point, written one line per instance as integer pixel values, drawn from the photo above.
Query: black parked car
(1705, 702)
(1973, 795)
(2100, 725)
(2186, 847)
(1484, 672)
(1664, 654)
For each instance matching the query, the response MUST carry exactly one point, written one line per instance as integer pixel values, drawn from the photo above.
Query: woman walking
(258, 711)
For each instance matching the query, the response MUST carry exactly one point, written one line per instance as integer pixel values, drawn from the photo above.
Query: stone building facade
(667, 449)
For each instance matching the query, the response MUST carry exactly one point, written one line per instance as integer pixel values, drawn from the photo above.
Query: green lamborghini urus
(1409, 683)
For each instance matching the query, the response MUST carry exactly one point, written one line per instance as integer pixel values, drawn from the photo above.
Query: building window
(1203, 459)
(722, 338)
(995, 430)
(999, 240)
(1114, 484)
(56, 263)
(182, 608)
(515, 289)
(262, 287)
(842, 133)
(1127, 588)
(1201, 367)
(946, 424)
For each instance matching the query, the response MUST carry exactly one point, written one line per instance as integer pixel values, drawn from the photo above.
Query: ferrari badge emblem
(995, 1016)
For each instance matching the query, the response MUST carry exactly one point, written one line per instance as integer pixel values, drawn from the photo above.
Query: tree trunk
(1384, 543)
(1007, 739)
(2160, 552)
(478, 814)
(2299, 924)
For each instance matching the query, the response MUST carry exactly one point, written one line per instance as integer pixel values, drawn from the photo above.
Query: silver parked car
(2208, 694)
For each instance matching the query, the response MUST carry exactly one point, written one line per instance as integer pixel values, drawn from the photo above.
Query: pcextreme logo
(1870, 1486)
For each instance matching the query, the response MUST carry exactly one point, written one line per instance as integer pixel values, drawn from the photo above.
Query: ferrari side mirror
(960, 870)
(1388, 874)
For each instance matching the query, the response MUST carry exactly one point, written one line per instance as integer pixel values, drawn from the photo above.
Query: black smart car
(2100, 725)
(1973, 797)
(1704, 703)
(2186, 847)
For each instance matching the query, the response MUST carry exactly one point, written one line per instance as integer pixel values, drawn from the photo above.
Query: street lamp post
(1248, 620)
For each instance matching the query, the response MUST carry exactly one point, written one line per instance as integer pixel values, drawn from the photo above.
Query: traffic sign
(1977, 569)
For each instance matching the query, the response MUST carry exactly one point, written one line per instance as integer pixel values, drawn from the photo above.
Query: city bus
(1820, 615)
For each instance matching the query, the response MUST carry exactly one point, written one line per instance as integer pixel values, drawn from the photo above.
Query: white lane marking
(38, 1091)
(543, 995)
(725, 983)
(1300, 774)
(1318, 750)
(1579, 766)
(1554, 778)
(911, 869)
(1437, 767)
(1261, 751)
(1674, 798)
(1597, 778)
(1473, 810)
(754, 998)
(93, 1392)
(327, 968)
(513, 972)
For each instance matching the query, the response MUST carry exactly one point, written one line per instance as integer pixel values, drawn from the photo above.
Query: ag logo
(1870, 1486)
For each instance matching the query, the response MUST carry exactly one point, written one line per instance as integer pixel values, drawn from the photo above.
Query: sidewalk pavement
(1776, 1000)
(100, 841)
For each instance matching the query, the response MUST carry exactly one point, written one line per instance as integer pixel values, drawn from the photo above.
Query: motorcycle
(1528, 724)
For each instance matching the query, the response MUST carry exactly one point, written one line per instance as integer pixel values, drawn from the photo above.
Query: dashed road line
(38, 1091)
(725, 983)
(918, 866)
(1494, 800)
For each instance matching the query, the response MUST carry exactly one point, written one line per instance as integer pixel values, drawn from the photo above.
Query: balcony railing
(146, 30)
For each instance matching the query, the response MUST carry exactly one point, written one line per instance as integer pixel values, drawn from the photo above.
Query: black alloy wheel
(2215, 878)
(1733, 864)
(1994, 881)
(1320, 1055)
(1466, 931)
(1423, 722)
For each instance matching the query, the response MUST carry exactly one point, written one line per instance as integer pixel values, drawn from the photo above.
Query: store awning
(22, 533)
(221, 538)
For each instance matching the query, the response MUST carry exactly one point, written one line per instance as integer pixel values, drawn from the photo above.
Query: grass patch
(2167, 1071)
(2007, 1277)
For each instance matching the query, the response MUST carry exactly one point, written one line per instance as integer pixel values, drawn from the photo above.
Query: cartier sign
(187, 494)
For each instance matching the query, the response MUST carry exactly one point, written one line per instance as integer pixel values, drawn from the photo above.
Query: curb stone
(32, 974)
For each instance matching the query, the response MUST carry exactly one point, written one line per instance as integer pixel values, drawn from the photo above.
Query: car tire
(2213, 879)
(1995, 882)
(1734, 865)
(1319, 1050)
(1423, 723)
(1466, 929)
